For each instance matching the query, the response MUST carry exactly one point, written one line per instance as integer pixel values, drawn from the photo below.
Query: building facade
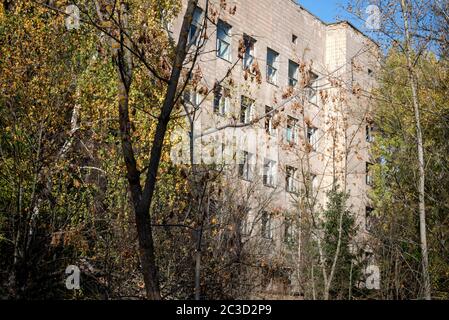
(291, 95)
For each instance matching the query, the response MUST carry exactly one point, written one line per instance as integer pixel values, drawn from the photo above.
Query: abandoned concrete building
(303, 86)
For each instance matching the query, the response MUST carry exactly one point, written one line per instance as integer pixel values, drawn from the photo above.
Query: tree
(394, 220)
(339, 232)
(405, 25)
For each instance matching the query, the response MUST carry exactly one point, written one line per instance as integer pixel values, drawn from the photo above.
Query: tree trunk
(143, 209)
(419, 144)
(198, 271)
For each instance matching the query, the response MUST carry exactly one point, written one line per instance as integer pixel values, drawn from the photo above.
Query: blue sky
(332, 11)
(327, 10)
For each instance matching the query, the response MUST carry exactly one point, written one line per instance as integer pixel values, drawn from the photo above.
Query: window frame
(269, 173)
(313, 184)
(291, 181)
(290, 232)
(267, 223)
(293, 79)
(244, 224)
(311, 87)
(369, 174)
(191, 94)
(312, 137)
(294, 129)
(222, 97)
(269, 127)
(227, 40)
(294, 38)
(193, 39)
(249, 43)
(273, 67)
(369, 133)
(245, 166)
(247, 106)
(368, 218)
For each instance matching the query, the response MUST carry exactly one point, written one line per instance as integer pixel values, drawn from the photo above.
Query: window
(293, 69)
(370, 72)
(272, 66)
(369, 174)
(312, 136)
(222, 98)
(269, 173)
(245, 165)
(195, 27)
(223, 40)
(244, 226)
(247, 109)
(368, 218)
(243, 222)
(314, 184)
(294, 39)
(369, 133)
(269, 126)
(191, 97)
(290, 234)
(224, 157)
(214, 208)
(292, 130)
(267, 231)
(248, 58)
(311, 87)
(291, 181)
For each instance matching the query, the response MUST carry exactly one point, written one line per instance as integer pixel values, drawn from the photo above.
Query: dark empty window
(293, 70)
(294, 39)
(266, 229)
(311, 87)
